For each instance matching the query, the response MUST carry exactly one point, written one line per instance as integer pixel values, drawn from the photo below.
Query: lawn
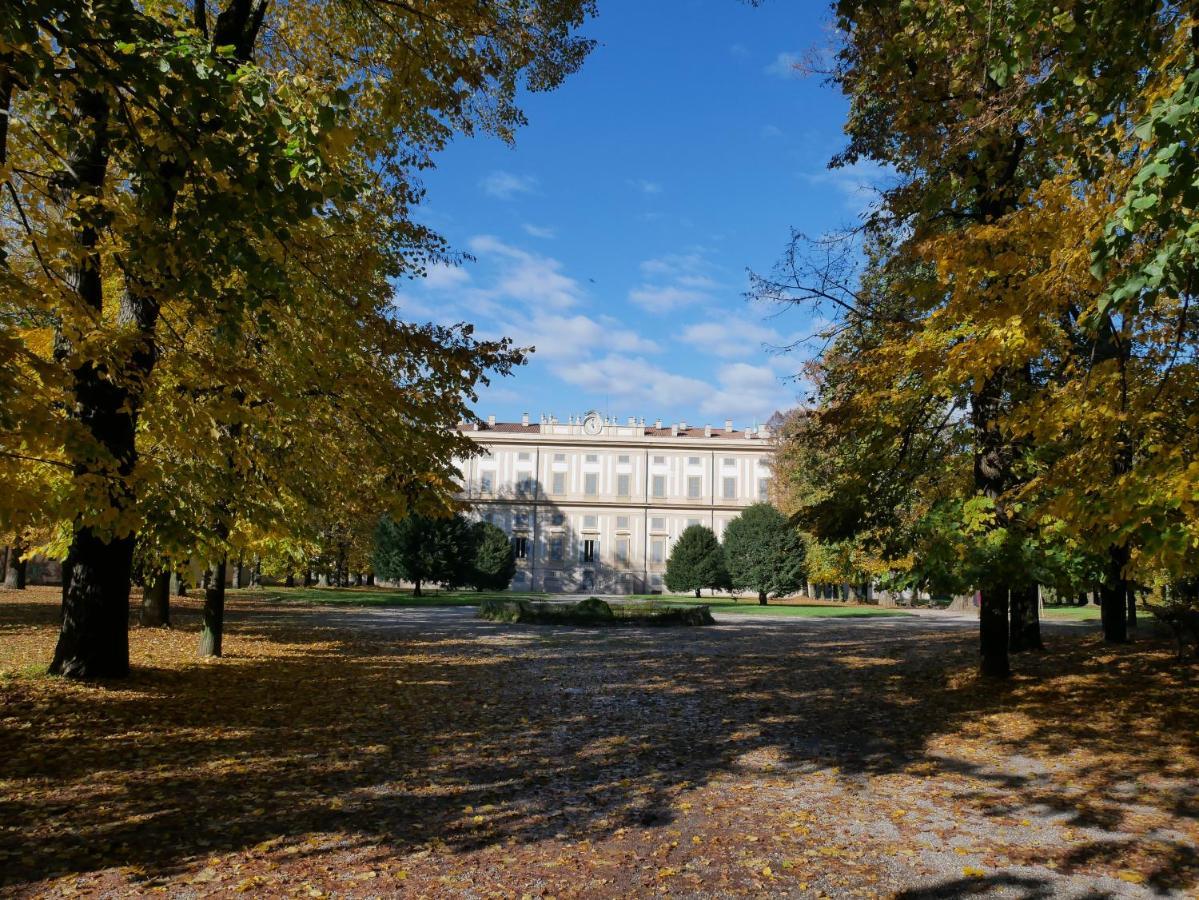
(805, 610)
(378, 596)
(1079, 613)
(442, 756)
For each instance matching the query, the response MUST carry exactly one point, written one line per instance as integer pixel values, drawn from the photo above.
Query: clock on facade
(592, 424)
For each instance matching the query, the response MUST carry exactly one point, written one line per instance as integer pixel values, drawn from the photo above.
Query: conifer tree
(763, 552)
(494, 561)
(696, 561)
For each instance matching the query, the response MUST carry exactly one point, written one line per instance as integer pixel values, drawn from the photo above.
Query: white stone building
(593, 505)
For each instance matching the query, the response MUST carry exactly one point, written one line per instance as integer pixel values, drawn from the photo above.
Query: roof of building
(648, 430)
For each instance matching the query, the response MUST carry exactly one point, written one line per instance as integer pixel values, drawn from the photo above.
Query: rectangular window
(730, 488)
(659, 460)
(622, 523)
(524, 456)
(657, 550)
(691, 522)
(623, 459)
(525, 485)
(622, 485)
(520, 545)
(591, 484)
(659, 485)
(729, 461)
(657, 523)
(694, 486)
(559, 457)
(592, 457)
(486, 482)
(520, 520)
(622, 550)
(693, 460)
(591, 522)
(763, 489)
(556, 548)
(590, 550)
(558, 485)
(557, 519)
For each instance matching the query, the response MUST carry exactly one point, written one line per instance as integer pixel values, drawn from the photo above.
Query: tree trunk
(762, 598)
(256, 573)
(1083, 599)
(213, 629)
(237, 572)
(1132, 606)
(357, 579)
(16, 567)
(156, 601)
(370, 579)
(993, 633)
(1025, 617)
(697, 593)
(308, 578)
(1113, 597)
(416, 588)
(94, 639)
(290, 581)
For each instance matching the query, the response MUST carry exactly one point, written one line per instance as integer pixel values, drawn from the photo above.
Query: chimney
(491, 421)
(524, 419)
(674, 430)
(749, 433)
(682, 426)
(707, 431)
(632, 420)
(657, 423)
(728, 425)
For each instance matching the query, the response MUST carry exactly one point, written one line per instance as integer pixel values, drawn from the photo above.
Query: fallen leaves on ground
(324, 758)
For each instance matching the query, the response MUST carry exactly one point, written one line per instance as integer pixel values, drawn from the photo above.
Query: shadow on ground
(445, 732)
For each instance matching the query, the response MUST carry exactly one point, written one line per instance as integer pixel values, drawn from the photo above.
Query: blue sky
(616, 234)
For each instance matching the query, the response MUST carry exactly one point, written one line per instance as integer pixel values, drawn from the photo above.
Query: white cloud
(442, 276)
(747, 391)
(731, 338)
(739, 50)
(506, 185)
(576, 337)
(860, 183)
(771, 131)
(527, 277)
(646, 187)
(538, 232)
(664, 298)
(786, 65)
(673, 281)
(635, 381)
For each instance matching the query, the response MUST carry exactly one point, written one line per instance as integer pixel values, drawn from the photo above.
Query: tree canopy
(764, 552)
(696, 561)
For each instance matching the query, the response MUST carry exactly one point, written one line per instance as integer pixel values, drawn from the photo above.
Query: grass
(1078, 613)
(383, 596)
(801, 610)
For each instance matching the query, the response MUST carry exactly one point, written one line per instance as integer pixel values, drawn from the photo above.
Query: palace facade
(595, 505)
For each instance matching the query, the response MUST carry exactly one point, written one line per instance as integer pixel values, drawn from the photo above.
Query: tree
(176, 195)
(696, 561)
(421, 549)
(494, 561)
(764, 552)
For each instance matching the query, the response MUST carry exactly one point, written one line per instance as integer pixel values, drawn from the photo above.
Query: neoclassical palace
(593, 504)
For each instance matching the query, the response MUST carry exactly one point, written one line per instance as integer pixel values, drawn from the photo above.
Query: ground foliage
(326, 756)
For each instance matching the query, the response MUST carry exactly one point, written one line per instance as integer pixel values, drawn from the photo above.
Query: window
(526, 485)
(520, 520)
(558, 485)
(730, 488)
(622, 485)
(657, 550)
(729, 461)
(524, 456)
(489, 518)
(591, 484)
(559, 457)
(556, 548)
(691, 522)
(763, 488)
(591, 522)
(557, 519)
(659, 460)
(657, 523)
(520, 546)
(592, 457)
(693, 460)
(590, 550)
(622, 523)
(659, 485)
(623, 459)
(694, 486)
(622, 550)
(486, 482)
